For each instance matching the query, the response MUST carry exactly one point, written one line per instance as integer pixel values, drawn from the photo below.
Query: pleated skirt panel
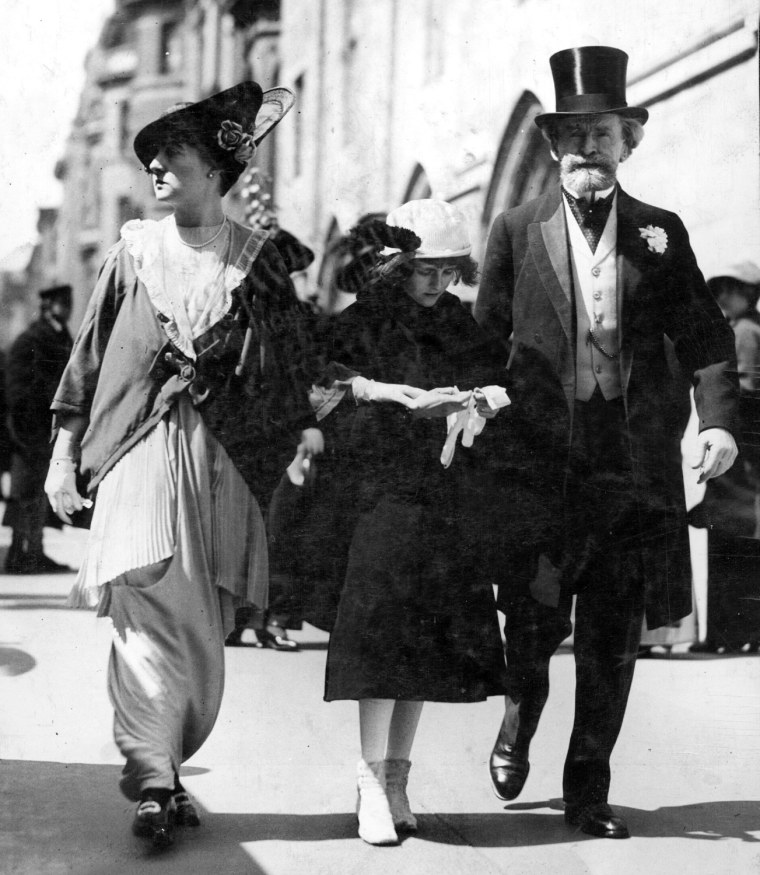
(177, 542)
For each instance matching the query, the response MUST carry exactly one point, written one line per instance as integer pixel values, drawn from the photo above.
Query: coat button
(597, 296)
(596, 271)
(598, 369)
(537, 337)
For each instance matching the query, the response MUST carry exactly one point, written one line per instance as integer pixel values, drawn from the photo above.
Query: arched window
(524, 168)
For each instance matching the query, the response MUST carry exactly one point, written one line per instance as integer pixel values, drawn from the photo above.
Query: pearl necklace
(207, 242)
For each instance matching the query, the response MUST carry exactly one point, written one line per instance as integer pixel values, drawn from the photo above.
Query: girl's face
(181, 177)
(429, 280)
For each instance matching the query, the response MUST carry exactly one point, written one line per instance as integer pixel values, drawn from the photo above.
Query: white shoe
(372, 809)
(396, 776)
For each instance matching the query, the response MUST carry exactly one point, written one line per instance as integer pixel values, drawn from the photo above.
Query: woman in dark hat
(416, 621)
(182, 402)
(730, 509)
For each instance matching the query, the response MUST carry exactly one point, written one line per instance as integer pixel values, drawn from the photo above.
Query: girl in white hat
(415, 622)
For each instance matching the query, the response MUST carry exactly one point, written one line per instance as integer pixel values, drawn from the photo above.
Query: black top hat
(62, 293)
(230, 124)
(590, 80)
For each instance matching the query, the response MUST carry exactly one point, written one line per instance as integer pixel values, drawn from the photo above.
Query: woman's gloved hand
(61, 488)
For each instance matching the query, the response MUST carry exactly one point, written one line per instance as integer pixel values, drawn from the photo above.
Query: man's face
(589, 149)
(60, 309)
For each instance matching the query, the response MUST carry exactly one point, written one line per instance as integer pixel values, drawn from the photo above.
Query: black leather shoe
(185, 812)
(508, 772)
(155, 821)
(275, 637)
(597, 819)
(704, 647)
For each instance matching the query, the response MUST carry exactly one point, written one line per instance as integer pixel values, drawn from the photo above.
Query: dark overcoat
(527, 295)
(35, 363)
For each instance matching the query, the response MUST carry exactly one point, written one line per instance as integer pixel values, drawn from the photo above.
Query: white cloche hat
(441, 227)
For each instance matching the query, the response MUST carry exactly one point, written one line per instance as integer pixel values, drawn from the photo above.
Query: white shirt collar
(599, 194)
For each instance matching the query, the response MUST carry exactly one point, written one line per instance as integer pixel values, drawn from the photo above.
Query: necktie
(591, 216)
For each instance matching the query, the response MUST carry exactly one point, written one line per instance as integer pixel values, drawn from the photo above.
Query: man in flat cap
(593, 291)
(35, 364)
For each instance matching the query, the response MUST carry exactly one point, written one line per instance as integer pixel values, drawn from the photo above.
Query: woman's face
(429, 280)
(180, 177)
(733, 304)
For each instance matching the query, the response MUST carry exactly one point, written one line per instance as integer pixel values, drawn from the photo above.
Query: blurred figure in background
(730, 510)
(6, 451)
(35, 363)
(270, 626)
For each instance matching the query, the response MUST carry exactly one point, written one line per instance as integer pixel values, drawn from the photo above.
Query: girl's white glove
(370, 390)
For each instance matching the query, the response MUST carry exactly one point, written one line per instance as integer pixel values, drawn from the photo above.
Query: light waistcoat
(595, 284)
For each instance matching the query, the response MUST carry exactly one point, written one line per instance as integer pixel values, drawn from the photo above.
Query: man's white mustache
(570, 163)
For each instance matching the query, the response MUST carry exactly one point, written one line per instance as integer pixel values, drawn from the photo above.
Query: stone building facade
(150, 55)
(132, 74)
(416, 98)
(407, 98)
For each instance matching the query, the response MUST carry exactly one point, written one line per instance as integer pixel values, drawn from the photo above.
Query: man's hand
(439, 403)
(716, 453)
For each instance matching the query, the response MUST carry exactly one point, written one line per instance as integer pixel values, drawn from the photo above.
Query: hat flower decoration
(232, 138)
(230, 124)
(656, 238)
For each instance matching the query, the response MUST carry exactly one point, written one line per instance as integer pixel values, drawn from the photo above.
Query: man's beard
(580, 175)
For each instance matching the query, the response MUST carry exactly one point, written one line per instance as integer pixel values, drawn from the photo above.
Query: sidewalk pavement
(275, 781)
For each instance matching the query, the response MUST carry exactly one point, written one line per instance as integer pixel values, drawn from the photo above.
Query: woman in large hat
(416, 621)
(181, 402)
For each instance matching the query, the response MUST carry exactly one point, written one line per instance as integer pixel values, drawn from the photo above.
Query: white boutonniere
(656, 238)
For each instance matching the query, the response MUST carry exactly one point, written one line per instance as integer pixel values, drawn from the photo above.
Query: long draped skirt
(177, 541)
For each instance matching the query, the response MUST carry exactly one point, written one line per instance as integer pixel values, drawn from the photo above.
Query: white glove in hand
(61, 488)
(370, 390)
(440, 403)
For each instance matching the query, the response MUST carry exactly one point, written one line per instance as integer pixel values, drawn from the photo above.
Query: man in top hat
(591, 287)
(36, 361)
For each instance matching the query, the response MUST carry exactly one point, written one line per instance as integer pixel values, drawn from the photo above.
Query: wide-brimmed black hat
(56, 293)
(590, 80)
(230, 124)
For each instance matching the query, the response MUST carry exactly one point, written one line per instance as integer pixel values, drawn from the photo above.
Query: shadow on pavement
(736, 819)
(42, 604)
(14, 662)
(60, 817)
(32, 598)
(70, 817)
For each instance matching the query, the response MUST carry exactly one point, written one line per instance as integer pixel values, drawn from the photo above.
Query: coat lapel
(629, 274)
(547, 240)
